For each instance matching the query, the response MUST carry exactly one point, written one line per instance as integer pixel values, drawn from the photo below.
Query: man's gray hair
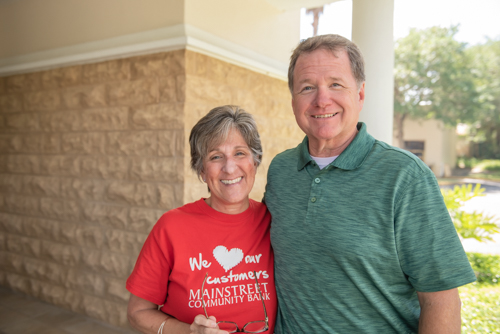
(333, 43)
(213, 129)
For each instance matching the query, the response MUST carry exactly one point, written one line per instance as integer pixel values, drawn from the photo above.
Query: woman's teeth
(231, 181)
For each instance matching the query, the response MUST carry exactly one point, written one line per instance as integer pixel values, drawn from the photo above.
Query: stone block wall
(210, 83)
(92, 155)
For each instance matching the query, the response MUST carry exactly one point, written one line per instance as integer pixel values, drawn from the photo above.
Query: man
(362, 239)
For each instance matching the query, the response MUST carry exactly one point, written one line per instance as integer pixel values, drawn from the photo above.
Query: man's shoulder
(398, 157)
(287, 156)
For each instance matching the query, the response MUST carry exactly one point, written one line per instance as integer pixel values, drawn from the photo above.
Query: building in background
(433, 142)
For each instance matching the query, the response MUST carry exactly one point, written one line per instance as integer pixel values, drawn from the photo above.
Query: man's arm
(440, 312)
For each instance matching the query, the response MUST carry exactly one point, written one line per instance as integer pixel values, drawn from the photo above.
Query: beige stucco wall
(28, 26)
(92, 155)
(440, 143)
(256, 25)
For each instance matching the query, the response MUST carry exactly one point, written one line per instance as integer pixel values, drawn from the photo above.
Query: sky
(477, 18)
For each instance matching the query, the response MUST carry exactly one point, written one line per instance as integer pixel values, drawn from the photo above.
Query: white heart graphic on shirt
(228, 259)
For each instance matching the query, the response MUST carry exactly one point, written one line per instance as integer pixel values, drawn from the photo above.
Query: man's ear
(362, 92)
(361, 96)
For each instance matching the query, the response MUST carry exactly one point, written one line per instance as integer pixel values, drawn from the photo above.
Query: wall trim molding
(172, 38)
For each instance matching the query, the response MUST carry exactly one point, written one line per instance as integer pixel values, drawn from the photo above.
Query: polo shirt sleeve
(429, 249)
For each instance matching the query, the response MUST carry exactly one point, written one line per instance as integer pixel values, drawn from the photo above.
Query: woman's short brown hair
(213, 129)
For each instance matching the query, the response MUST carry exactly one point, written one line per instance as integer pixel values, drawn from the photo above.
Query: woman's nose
(230, 165)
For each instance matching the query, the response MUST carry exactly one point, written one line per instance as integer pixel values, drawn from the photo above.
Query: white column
(372, 31)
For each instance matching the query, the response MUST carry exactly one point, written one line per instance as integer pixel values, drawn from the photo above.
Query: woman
(220, 242)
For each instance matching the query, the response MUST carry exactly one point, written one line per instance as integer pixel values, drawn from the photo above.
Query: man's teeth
(325, 116)
(231, 181)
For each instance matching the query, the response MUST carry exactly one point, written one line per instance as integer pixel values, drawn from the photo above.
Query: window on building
(416, 147)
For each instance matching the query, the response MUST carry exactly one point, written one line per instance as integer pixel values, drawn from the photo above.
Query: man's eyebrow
(336, 79)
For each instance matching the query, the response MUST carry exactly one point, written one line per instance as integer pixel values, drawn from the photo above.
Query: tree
(432, 78)
(486, 71)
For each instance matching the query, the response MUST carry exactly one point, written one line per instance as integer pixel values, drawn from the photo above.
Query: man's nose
(323, 97)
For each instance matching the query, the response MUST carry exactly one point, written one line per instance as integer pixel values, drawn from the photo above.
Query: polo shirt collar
(351, 158)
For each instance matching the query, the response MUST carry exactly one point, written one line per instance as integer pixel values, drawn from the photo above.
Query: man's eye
(307, 88)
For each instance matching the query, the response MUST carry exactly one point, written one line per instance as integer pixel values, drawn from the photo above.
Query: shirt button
(317, 180)
(313, 199)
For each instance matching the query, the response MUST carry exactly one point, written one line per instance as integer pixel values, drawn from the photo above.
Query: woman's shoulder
(257, 205)
(260, 210)
(181, 213)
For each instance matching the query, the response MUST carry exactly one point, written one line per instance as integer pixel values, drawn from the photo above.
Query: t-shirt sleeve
(149, 279)
(429, 249)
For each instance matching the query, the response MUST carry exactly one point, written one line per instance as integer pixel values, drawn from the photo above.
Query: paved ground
(20, 314)
(490, 205)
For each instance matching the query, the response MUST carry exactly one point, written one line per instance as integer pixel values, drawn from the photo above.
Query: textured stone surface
(171, 143)
(105, 119)
(133, 93)
(21, 122)
(157, 169)
(132, 143)
(115, 70)
(106, 215)
(143, 220)
(11, 103)
(85, 143)
(23, 83)
(86, 97)
(92, 155)
(158, 116)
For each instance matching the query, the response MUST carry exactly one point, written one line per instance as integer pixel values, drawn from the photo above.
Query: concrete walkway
(20, 314)
(489, 205)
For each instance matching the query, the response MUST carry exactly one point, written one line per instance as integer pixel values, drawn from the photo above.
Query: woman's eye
(215, 157)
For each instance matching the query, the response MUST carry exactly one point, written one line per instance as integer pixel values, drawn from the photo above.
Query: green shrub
(480, 308)
(469, 225)
(488, 165)
(486, 267)
(478, 164)
(464, 162)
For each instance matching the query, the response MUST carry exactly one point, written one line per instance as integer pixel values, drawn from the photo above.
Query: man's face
(326, 100)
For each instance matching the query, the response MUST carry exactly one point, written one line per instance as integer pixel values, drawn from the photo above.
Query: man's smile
(325, 115)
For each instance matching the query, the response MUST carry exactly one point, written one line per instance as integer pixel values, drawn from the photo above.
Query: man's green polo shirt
(355, 241)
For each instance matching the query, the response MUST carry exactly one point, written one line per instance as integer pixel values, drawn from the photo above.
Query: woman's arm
(144, 316)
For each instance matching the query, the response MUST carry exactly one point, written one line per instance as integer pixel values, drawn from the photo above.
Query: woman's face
(229, 171)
